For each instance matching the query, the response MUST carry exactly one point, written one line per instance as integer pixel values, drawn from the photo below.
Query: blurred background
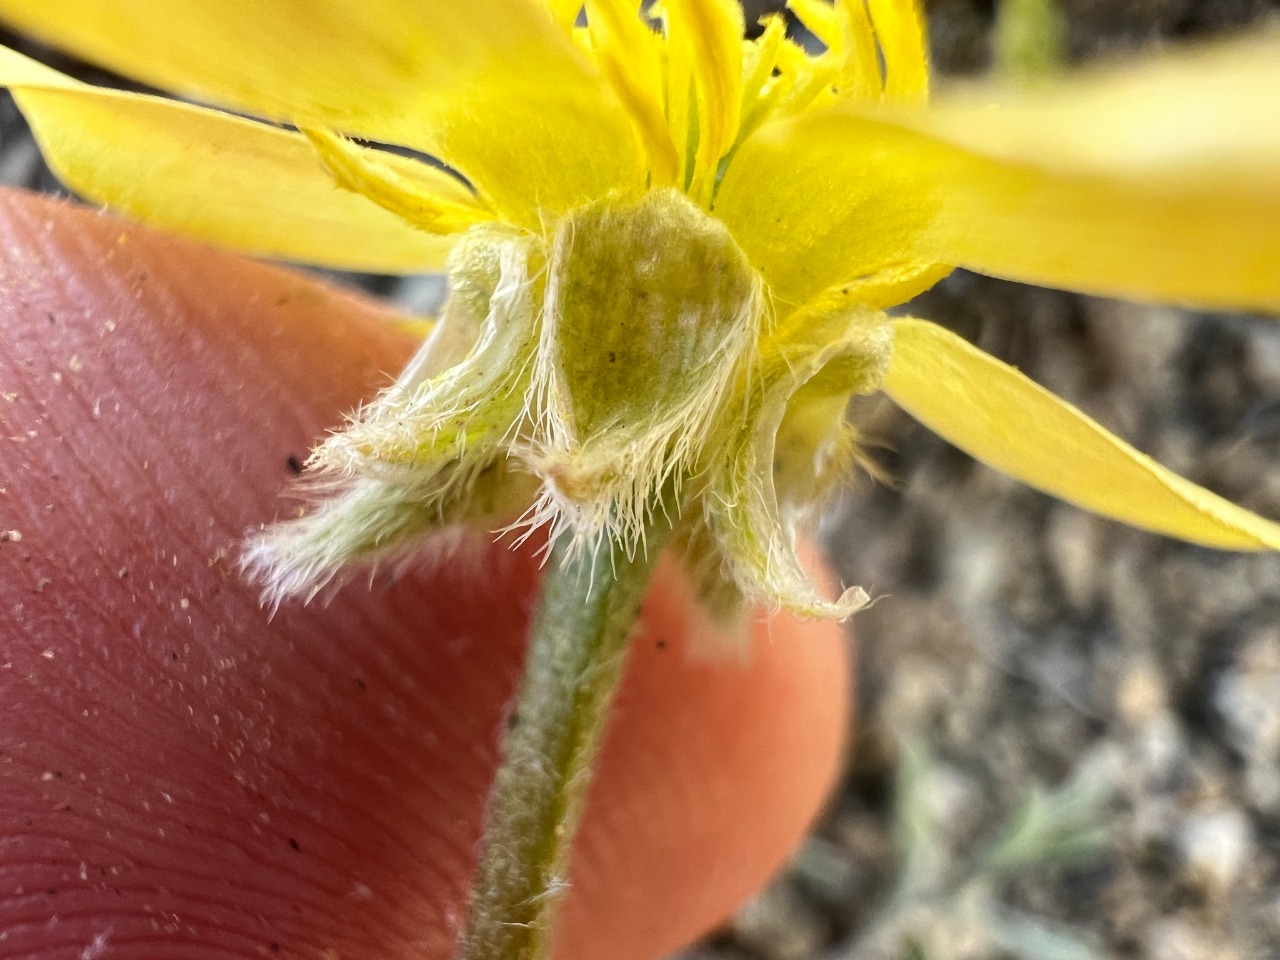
(1068, 739)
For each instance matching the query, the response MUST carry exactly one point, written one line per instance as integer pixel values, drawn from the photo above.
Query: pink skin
(184, 776)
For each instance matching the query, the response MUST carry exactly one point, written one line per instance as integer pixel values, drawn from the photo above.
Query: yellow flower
(669, 248)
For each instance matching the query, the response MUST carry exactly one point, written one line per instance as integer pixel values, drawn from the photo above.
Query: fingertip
(191, 778)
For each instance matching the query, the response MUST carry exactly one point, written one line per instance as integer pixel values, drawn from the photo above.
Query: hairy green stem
(577, 649)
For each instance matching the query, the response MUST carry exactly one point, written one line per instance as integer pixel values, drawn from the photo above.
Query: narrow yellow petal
(708, 34)
(498, 91)
(409, 190)
(565, 12)
(759, 86)
(681, 109)
(630, 56)
(232, 182)
(804, 78)
(994, 413)
(860, 63)
(819, 18)
(1155, 182)
(815, 207)
(900, 31)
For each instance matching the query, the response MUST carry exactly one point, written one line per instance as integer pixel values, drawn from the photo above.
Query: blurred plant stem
(941, 900)
(1029, 41)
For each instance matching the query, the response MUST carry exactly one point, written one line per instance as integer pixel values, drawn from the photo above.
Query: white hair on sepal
(473, 405)
(430, 452)
(364, 523)
(803, 392)
(634, 365)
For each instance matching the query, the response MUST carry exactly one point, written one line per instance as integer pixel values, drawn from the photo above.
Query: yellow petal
(758, 60)
(232, 182)
(803, 79)
(860, 62)
(994, 413)
(708, 35)
(819, 18)
(900, 31)
(497, 90)
(399, 186)
(630, 56)
(815, 204)
(565, 12)
(1158, 182)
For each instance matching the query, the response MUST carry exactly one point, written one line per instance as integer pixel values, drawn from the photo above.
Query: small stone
(1262, 356)
(1172, 938)
(1216, 845)
(1141, 693)
(780, 925)
(1074, 547)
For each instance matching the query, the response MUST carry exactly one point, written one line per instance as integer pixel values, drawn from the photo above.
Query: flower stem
(577, 649)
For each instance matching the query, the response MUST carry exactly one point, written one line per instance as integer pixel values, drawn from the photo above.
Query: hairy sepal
(763, 491)
(440, 413)
(429, 454)
(650, 316)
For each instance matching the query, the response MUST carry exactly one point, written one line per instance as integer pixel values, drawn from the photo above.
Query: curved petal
(630, 56)
(232, 182)
(827, 199)
(496, 90)
(995, 414)
(1156, 183)
(900, 33)
(707, 35)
